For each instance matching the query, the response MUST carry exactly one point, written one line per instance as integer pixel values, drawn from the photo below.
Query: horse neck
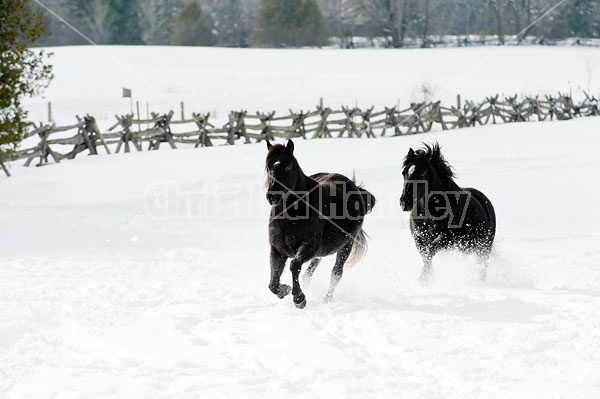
(452, 186)
(303, 182)
(435, 182)
(440, 185)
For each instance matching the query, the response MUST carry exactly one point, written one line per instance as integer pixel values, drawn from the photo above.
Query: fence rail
(129, 133)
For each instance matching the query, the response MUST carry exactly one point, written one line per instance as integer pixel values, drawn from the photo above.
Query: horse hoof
(482, 277)
(301, 305)
(284, 289)
(328, 298)
(425, 279)
(300, 301)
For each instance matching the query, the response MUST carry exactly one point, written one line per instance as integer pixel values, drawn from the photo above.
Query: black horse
(442, 214)
(311, 217)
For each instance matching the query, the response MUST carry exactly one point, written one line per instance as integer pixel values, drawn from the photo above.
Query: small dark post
(137, 106)
(4, 169)
(182, 111)
(49, 112)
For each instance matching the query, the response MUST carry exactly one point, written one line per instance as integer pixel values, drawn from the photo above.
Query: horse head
(424, 171)
(415, 171)
(282, 171)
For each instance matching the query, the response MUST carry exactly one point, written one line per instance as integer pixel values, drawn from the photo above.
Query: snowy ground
(145, 275)
(88, 80)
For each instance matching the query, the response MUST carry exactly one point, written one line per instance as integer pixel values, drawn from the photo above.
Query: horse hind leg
(338, 269)
(308, 274)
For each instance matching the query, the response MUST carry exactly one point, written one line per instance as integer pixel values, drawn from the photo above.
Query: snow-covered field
(89, 79)
(145, 275)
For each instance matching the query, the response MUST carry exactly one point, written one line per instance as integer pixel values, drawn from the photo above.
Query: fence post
(231, 131)
(4, 168)
(137, 106)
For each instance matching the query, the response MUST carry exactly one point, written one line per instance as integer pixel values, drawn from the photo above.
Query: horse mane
(433, 155)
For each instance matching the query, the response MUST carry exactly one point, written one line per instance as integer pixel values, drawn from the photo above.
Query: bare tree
(192, 27)
(390, 16)
(234, 21)
(99, 22)
(157, 19)
(426, 19)
(496, 9)
(343, 19)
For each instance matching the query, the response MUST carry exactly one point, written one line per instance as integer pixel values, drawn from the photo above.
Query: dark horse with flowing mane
(311, 217)
(442, 214)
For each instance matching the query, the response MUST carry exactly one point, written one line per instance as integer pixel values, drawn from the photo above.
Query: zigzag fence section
(129, 133)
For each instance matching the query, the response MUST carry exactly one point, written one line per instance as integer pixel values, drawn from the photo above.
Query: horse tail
(368, 199)
(359, 248)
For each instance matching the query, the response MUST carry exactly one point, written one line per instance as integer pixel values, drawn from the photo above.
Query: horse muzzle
(405, 203)
(274, 198)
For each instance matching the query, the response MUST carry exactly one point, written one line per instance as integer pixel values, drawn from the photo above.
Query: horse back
(486, 204)
(342, 208)
(324, 178)
(335, 213)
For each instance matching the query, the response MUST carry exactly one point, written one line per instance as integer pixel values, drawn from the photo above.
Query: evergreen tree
(157, 18)
(289, 23)
(22, 71)
(580, 18)
(106, 21)
(192, 27)
(126, 22)
(231, 24)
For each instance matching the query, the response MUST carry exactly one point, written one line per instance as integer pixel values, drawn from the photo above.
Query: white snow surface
(88, 80)
(144, 275)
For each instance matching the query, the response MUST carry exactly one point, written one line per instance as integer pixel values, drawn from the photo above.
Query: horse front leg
(424, 249)
(483, 269)
(338, 269)
(277, 266)
(483, 255)
(304, 253)
(427, 271)
(428, 251)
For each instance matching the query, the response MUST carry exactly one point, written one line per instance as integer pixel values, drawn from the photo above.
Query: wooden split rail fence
(127, 132)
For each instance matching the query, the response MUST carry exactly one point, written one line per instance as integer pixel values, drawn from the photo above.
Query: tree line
(294, 23)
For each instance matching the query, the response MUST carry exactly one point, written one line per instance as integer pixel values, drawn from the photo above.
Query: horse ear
(411, 152)
(269, 145)
(290, 146)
